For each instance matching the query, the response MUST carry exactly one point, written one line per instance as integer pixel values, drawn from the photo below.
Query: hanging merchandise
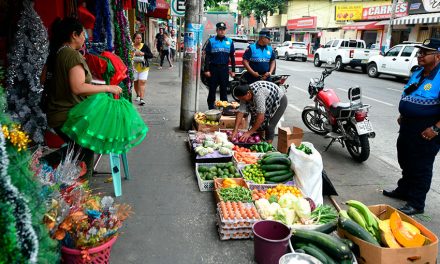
(105, 125)
(26, 60)
(23, 236)
(123, 44)
(102, 31)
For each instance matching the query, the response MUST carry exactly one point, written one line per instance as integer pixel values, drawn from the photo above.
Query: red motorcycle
(346, 123)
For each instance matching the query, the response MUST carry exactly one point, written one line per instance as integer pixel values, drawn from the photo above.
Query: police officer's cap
(265, 33)
(220, 25)
(430, 44)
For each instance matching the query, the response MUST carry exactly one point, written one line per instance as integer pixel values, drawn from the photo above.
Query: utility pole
(390, 26)
(188, 104)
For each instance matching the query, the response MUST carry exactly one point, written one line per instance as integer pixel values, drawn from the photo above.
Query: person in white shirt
(173, 46)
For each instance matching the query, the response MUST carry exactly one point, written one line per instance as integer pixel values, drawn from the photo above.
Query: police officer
(259, 59)
(419, 141)
(218, 51)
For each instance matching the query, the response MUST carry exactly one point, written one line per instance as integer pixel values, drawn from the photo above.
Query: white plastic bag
(308, 171)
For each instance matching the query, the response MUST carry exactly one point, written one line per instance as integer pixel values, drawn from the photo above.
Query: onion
(239, 134)
(257, 139)
(229, 132)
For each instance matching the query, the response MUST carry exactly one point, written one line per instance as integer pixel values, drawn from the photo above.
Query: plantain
(357, 217)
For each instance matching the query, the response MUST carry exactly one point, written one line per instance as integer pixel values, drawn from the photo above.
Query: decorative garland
(123, 44)
(26, 60)
(27, 238)
(103, 29)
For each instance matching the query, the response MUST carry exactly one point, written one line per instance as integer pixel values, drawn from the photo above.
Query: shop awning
(161, 11)
(418, 19)
(366, 25)
(383, 22)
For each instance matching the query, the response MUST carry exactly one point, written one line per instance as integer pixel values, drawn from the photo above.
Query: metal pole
(179, 52)
(390, 27)
(188, 95)
(199, 55)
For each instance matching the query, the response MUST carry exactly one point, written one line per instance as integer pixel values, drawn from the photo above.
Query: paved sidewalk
(174, 222)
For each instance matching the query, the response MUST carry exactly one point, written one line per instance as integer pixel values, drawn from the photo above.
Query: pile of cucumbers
(276, 167)
(326, 248)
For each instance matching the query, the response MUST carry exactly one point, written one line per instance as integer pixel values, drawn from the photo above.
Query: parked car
(240, 46)
(400, 60)
(344, 52)
(292, 50)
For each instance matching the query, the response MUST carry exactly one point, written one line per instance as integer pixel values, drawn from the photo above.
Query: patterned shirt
(266, 100)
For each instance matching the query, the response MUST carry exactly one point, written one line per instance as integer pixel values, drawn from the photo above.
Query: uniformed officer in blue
(259, 59)
(219, 50)
(419, 141)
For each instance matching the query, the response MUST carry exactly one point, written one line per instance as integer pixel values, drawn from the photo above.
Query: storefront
(305, 30)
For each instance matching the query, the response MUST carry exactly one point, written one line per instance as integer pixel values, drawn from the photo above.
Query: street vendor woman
(266, 103)
(419, 141)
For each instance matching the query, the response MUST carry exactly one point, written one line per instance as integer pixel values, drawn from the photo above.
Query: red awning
(161, 11)
(367, 25)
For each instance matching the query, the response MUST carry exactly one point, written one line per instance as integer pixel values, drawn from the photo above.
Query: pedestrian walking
(158, 41)
(165, 50)
(419, 141)
(173, 45)
(266, 102)
(141, 67)
(218, 51)
(259, 59)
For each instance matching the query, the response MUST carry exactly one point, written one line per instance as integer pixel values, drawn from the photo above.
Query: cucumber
(274, 154)
(315, 253)
(356, 230)
(275, 167)
(348, 242)
(330, 244)
(327, 257)
(282, 178)
(270, 174)
(327, 228)
(276, 160)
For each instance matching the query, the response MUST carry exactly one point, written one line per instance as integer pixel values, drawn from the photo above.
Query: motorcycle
(346, 123)
(240, 78)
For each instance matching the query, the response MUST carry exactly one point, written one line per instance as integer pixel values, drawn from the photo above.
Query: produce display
(258, 194)
(262, 147)
(237, 211)
(276, 167)
(235, 194)
(220, 170)
(305, 149)
(235, 220)
(200, 118)
(255, 138)
(254, 173)
(240, 149)
(245, 157)
(282, 189)
(226, 104)
(360, 222)
(216, 144)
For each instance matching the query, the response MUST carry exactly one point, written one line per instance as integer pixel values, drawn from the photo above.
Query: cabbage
(263, 206)
(302, 208)
(210, 150)
(208, 143)
(287, 216)
(228, 145)
(288, 200)
(224, 151)
(198, 148)
(203, 152)
(273, 208)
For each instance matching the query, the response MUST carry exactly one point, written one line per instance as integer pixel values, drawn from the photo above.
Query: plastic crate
(239, 164)
(236, 223)
(204, 186)
(264, 186)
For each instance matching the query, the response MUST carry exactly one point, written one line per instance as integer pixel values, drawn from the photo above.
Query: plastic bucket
(271, 239)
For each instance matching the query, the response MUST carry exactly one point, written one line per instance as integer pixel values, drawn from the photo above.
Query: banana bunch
(360, 213)
(221, 103)
(200, 117)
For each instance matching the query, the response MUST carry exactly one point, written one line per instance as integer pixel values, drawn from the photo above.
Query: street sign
(178, 7)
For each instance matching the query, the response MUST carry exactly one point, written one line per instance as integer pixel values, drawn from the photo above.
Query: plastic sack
(308, 171)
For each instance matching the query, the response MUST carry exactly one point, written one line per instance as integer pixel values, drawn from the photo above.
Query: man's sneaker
(142, 102)
(138, 99)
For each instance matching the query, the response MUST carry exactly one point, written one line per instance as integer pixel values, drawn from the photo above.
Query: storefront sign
(348, 12)
(423, 6)
(301, 23)
(384, 11)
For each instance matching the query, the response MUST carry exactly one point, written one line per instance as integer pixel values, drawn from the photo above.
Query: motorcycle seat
(337, 109)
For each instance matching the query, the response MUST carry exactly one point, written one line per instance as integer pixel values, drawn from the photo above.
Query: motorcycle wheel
(357, 145)
(314, 120)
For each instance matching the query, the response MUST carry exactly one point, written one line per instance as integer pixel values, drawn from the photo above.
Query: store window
(407, 51)
(435, 32)
(393, 52)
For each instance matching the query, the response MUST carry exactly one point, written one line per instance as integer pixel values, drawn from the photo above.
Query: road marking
(379, 101)
(391, 89)
(295, 108)
(299, 89)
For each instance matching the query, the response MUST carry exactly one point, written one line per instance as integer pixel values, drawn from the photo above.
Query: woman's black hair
(241, 90)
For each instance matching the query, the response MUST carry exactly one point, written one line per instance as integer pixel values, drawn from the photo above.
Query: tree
(218, 9)
(260, 8)
(212, 3)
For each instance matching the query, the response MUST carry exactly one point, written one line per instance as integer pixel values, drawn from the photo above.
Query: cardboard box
(205, 128)
(287, 136)
(371, 254)
(229, 122)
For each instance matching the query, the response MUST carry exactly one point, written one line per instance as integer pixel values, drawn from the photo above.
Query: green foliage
(260, 8)
(212, 3)
(9, 253)
(218, 9)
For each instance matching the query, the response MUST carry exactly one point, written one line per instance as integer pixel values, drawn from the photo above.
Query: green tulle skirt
(105, 125)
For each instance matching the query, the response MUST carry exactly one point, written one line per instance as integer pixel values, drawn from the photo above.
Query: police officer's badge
(427, 87)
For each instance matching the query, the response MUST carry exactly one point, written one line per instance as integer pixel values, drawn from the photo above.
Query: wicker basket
(96, 255)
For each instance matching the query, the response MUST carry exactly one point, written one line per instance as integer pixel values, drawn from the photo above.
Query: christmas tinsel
(123, 44)
(102, 31)
(20, 193)
(26, 60)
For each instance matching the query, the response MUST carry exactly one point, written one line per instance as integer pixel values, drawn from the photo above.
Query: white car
(292, 50)
(400, 60)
